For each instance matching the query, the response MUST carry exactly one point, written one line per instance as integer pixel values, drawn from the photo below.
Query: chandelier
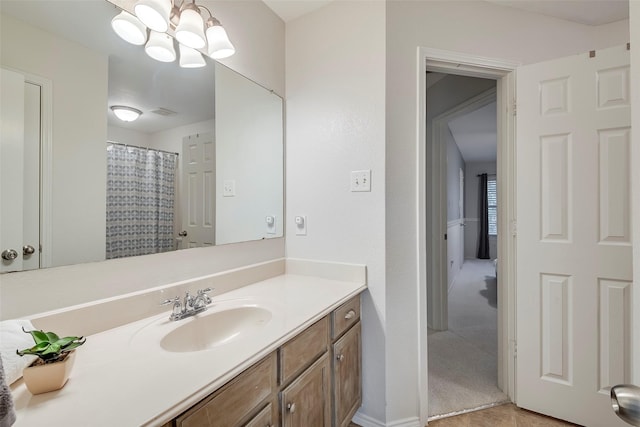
(153, 20)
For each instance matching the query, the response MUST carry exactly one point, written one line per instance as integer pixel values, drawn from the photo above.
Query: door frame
(504, 73)
(437, 271)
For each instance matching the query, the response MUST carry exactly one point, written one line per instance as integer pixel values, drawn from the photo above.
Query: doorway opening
(462, 129)
(433, 205)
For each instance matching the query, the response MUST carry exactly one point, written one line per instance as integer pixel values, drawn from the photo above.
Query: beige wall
(79, 132)
(335, 124)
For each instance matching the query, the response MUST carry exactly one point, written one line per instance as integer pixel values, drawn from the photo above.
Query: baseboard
(366, 421)
(407, 422)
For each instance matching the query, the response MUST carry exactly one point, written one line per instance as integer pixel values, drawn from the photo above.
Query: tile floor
(507, 415)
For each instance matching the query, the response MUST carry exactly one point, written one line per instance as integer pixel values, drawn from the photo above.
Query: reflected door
(19, 173)
(198, 196)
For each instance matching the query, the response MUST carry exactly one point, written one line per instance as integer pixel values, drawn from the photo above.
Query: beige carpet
(463, 360)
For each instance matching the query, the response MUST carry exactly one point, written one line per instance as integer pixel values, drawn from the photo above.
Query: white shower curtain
(140, 201)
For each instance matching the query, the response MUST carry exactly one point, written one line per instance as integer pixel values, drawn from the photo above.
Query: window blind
(492, 206)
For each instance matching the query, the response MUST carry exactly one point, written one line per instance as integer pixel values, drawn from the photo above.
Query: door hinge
(514, 228)
(40, 248)
(515, 108)
(445, 236)
(514, 349)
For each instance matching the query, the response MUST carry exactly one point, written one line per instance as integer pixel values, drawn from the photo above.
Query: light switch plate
(361, 180)
(229, 188)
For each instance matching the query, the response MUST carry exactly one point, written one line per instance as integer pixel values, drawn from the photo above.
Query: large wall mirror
(202, 165)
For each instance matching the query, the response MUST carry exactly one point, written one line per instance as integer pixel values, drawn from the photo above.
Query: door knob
(28, 250)
(9, 254)
(183, 233)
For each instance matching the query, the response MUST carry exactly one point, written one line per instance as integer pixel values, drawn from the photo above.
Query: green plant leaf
(74, 345)
(52, 337)
(38, 336)
(62, 342)
(36, 349)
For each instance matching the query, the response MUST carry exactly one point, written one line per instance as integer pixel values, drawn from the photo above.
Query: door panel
(574, 250)
(198, 195)
(11, 167)
(31, 186)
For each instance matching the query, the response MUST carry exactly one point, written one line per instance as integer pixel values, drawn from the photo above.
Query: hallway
(463, 359)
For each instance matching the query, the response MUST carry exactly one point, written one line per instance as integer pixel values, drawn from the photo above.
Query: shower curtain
(140, 201)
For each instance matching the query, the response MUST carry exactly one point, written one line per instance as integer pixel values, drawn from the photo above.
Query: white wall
(455, 218)
(472, 219)
(258, 35)
(477, 28)
(634, 14)
(335, 124)
(249, 152)
(79, 131)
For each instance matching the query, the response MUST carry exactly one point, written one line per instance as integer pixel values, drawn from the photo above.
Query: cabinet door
(235, 401)
(347, 386)
(264, 418)
(306, 402)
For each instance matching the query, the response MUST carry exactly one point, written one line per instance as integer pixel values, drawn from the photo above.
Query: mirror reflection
(201, 166)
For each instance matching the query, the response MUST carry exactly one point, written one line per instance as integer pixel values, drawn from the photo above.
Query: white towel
(13, 338)
(7, 414)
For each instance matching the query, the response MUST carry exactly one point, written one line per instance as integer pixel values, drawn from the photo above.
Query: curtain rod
(142, 148)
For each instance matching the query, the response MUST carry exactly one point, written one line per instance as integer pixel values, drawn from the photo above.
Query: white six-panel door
(574, 267)
(198, 195)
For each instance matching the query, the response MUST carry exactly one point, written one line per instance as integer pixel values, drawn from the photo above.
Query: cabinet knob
(291, 407)
(350, 315)
(340, 357)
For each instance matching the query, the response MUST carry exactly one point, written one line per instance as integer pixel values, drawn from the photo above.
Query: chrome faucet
(190, 305)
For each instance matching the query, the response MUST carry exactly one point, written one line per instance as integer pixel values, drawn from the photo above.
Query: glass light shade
(190, 29)
(190, 58)
(219, 44)
(154, 13)
(129, 28)
(160, 47)
(126, 114)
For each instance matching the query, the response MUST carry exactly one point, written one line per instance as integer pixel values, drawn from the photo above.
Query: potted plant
(55, 359)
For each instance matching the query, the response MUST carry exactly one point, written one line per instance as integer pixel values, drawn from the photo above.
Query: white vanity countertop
(119, 379)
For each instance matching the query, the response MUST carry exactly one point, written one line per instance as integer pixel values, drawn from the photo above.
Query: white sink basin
(209, 329)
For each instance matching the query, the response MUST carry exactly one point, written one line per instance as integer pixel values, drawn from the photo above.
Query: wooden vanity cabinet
(346, 357)
(313, 380)
(235, 403)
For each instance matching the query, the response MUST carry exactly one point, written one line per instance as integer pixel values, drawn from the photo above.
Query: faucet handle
(203, 294)
(170, 301)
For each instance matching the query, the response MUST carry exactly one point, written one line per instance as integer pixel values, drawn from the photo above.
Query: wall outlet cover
(361, 180)
(229, 188)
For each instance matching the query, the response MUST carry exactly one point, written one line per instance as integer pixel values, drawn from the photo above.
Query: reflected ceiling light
(190, 58)
(219, 44)
(126, 114)
(154, 13)
(190, 29)
(160, 47)
(129, 28)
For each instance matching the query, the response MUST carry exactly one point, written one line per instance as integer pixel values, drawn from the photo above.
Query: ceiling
(589, 12)
(476, 134)
(134, 79)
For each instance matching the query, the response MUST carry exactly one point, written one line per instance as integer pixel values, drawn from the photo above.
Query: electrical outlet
(271, 224)
(361, 180)
(301, 225)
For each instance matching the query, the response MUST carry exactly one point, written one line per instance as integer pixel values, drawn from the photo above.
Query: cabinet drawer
(302, 350)
(234, 402)
(263, 419)
(344, 316)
